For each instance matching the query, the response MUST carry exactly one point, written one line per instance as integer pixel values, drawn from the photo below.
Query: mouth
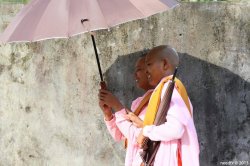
(149, 77)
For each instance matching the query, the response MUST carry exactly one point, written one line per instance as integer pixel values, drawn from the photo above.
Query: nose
(135, 75)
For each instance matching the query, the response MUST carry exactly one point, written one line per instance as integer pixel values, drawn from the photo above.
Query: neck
(148, 88)
(168, 73)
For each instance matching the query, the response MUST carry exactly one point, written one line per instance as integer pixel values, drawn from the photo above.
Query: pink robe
(178, 132)
(120, 128)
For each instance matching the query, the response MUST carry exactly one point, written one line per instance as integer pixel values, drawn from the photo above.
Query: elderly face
(155, 69)
(140, 74)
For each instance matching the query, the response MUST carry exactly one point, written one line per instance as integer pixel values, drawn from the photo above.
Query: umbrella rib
(40, 20)
(68, 29)
(108, 26)
(28, 8)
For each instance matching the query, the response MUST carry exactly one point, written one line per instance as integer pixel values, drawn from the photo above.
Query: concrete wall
(49, 113)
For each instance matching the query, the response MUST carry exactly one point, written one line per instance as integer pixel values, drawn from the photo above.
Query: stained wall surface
(49, 112)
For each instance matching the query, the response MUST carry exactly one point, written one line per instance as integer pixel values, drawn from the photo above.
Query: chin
(152, 83)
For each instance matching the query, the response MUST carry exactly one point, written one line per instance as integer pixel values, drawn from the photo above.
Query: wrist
(118, 107)
(147, 130)
(108, 117)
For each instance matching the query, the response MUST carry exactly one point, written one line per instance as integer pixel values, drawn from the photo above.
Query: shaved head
(161, 61)
(141, 59)
(140, 74)
(165, 51)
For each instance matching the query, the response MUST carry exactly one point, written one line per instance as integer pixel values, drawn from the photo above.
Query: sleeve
(126, 127)
(176, 120)
(113, 129)
(168, 131)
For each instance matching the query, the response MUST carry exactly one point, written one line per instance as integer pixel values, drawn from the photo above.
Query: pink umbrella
(47, 19)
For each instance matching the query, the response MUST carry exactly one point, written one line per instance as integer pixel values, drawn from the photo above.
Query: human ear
(165, 64)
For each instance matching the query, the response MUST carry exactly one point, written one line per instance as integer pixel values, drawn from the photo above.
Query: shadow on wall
(120, 78)
(221, 101)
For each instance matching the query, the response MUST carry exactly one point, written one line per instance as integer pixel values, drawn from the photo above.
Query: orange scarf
(155, 101)
(139, 109)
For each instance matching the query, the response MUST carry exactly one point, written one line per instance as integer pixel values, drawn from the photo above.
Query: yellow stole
(155, 99)
(139, 109)
(143, 103)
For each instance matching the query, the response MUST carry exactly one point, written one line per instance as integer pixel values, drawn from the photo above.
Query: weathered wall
(48, 90)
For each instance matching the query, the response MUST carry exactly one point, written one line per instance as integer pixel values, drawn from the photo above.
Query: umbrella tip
(84, 20)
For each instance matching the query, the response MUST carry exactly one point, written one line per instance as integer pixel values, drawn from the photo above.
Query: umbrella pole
(97, 57)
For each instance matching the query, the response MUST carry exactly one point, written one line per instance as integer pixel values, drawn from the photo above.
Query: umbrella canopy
(46, 19)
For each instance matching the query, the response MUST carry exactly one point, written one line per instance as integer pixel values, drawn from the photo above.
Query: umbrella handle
(103, 85)
(95, 49)
(97, 57)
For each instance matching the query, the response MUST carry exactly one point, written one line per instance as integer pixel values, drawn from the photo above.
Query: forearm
(170, 130)
(113, 129)
(117, 107)
(126, 127)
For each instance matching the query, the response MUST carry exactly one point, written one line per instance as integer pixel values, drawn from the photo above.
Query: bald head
(140, 74)
(165, 51)
(161, 61)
